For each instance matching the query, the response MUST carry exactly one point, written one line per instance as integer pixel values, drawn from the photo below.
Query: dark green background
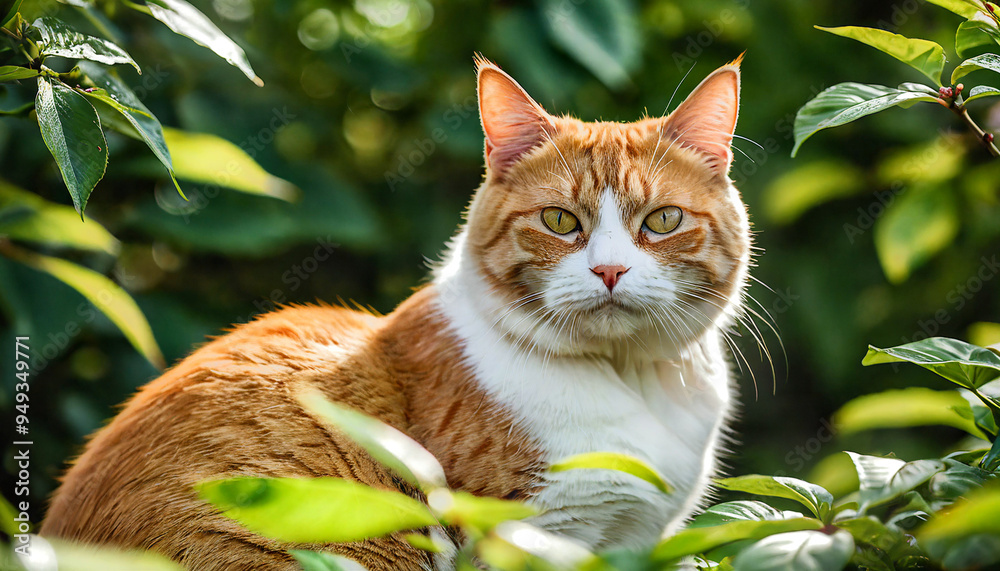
(336, 120)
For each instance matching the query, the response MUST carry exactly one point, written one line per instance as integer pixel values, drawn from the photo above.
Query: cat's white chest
(667, 413)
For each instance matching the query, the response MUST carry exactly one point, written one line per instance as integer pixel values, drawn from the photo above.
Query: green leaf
(964, 8)
(740, 510)
(316, 561)
(976, 33)
(16, 72)
(204, 158)
(923, 222)
(816, 498)
(699, 540)
(846, 102)
(384, 443)
(613, 461)
(913, 406)
(975, 514)
(799, 550)
(925, 56)
(114, 98)
(966, 365)
(108, 297)
(558, 551)
(72, 131)
(870, 530)
(599, 34)
(884, 479)
(982, 416)
(474, 512)
(49, 223)
(60, 40)
(424, 542)
(69, 556)
(810, 185)
(186, 20)
(992, 459)
(14, 8)
(989, 62)
(315, 510)
(957, 480)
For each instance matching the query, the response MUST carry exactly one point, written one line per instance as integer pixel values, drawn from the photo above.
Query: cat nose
(610, 274)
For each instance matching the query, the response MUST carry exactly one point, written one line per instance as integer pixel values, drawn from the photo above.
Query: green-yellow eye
(664, 220)
(559, 221)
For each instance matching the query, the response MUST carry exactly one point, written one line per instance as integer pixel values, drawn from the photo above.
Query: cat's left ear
(514, 124)
(706, 120)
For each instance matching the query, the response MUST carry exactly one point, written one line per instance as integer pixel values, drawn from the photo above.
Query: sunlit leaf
(15, 72)
(186, 20)
(921, 223)
(846, 102)
(204, 158)
(108, 297)
(984, 333)
(699, 540)
(69, 556)
(871, 531)
(989, 62)
(45, 222)
(558, 551)
(59, 39)
(72, 131)
(976, 33)
(799, 550)
(970, 516)
(315, 510)
(925, 56)
(810, 185)
(981, 91)
(964, 8)
(479, 513)
(598, 34)
(613, 461)
(424, 542)
(966, 365)
(913, 406)
(816, 498)
(884, 479)
(315, 561)
(384, 443)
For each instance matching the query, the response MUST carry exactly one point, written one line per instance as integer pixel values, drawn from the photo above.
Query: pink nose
(610, 274)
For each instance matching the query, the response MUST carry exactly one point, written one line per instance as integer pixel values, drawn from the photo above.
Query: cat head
(585, 234)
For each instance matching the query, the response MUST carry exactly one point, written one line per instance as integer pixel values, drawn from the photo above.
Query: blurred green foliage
(368, 109)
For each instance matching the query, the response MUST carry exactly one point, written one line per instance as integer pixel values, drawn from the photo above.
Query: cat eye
(559, 221)
(664, 220)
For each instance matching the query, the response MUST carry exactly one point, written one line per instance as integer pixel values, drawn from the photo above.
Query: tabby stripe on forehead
(504, 227)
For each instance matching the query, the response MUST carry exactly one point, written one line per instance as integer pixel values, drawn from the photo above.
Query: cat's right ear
(512, 121)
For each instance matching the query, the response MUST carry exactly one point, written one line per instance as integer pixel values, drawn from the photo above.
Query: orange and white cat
(580, 308)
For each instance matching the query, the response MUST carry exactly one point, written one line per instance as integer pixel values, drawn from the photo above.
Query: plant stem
(985, 138)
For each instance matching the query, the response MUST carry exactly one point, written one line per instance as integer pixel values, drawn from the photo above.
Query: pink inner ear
(706, 120)
(512, 121)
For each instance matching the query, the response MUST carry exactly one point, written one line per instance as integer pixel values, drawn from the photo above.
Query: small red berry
(946, 92)
(988, 137)
(959, 88)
